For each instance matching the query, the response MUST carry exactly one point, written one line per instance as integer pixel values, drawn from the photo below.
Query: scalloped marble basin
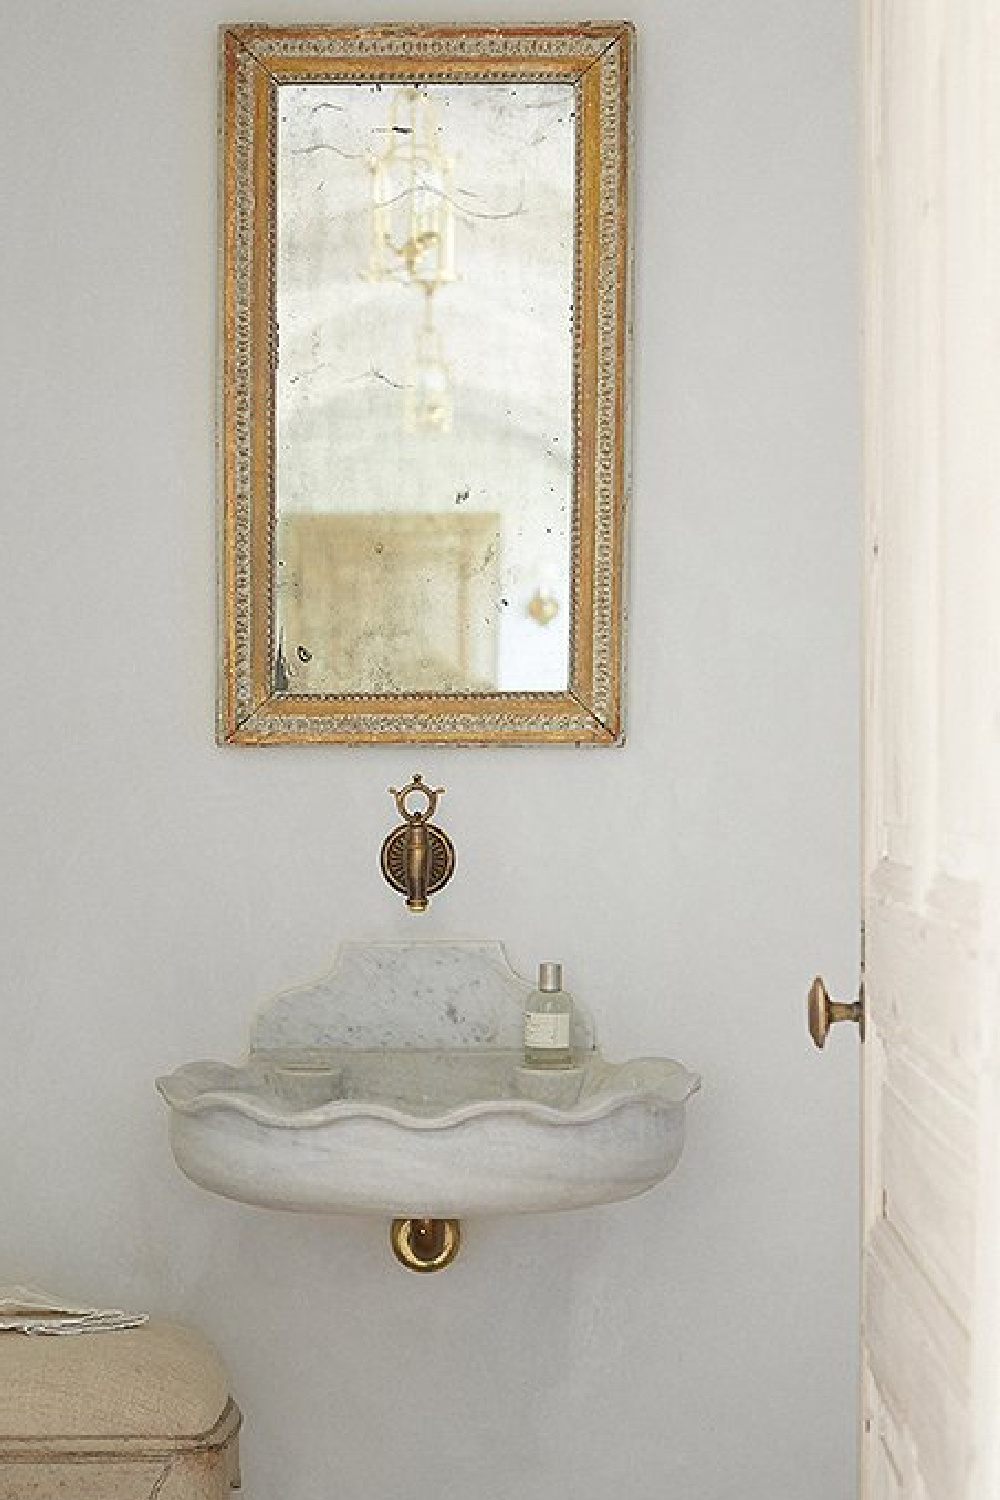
(395, 1085)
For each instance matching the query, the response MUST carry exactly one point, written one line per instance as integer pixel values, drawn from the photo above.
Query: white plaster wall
(698, 1343)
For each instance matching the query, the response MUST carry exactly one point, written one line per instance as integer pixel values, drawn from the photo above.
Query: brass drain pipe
(425, 1244)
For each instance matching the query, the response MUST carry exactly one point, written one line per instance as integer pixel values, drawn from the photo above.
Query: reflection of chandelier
(428, 389)
(413, 225)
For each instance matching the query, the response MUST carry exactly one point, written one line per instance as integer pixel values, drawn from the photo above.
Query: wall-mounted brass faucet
(418, 858)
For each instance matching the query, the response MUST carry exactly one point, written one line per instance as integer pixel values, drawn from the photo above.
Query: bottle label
(543, 1029)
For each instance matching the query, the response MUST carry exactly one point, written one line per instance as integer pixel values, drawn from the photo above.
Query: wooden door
(931, 1248)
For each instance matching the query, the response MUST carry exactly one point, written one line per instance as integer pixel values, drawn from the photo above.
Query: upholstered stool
(125, 1415)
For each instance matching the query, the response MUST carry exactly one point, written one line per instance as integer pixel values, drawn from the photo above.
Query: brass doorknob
(824, 1012)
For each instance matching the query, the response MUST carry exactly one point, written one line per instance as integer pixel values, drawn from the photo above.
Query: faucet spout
(417, 860)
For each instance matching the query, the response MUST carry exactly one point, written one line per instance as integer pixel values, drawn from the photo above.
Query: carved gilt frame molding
(255, 60)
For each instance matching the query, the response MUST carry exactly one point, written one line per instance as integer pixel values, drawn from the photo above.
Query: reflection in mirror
(424, 299)
(425, 279)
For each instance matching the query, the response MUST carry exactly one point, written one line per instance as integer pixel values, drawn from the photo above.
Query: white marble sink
(395, 1085)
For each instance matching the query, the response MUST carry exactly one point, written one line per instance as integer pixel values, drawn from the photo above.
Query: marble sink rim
(658, 1082)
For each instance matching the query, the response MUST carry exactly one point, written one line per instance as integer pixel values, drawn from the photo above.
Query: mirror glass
(424, 409)
(424, 389)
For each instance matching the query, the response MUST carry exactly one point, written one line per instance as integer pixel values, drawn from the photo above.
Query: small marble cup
(306, 1084)
(558, 1087)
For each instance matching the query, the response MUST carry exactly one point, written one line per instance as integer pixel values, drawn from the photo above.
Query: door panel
(931, 95)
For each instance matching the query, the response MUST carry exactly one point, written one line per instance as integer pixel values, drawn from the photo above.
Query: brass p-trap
(425, 1244)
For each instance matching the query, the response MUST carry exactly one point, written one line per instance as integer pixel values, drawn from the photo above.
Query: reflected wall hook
(418, 858)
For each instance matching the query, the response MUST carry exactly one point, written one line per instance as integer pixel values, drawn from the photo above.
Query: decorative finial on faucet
(418, 858)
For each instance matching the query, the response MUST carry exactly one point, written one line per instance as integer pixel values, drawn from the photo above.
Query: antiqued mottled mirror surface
(424, 389)
(426, 262)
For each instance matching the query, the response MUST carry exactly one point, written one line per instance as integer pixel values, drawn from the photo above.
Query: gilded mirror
(424, 347)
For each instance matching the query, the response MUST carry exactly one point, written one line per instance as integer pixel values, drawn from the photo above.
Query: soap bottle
(547, 1017)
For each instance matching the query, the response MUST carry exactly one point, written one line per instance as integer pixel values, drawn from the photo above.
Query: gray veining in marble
(448, 994)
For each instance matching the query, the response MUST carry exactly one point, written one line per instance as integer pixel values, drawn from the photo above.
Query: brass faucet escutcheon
(418, 858)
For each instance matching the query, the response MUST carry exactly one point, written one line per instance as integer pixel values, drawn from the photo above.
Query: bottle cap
(550, 978)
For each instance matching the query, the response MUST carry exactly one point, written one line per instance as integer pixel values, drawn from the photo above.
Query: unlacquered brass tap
(418, 858)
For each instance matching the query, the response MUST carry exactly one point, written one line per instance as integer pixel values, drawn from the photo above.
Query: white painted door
(931, 1248)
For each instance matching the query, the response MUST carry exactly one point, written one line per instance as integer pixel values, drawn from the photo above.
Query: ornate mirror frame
(255, 707)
